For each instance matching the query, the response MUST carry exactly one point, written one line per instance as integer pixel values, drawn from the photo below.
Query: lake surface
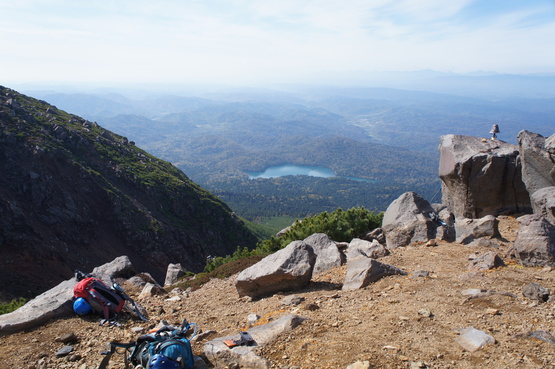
(293, 170)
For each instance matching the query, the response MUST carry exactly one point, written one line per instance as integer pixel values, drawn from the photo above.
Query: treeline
(301, 196)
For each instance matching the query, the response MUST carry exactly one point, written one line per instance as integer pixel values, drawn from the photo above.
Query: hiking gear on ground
(436, 218)
(167, 348)
(160, 361)
(106, 301)
(103, 299)
(81, 306)
(245, 339)
(122, 293)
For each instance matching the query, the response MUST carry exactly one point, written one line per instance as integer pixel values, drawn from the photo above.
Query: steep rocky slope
(397, 322)
(74, 195)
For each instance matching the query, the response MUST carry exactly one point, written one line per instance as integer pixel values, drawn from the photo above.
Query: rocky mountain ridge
(74, 195)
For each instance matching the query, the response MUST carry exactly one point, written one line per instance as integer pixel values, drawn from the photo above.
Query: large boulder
(56, 302)
(543, 203)
(120, 267)
(52, 304)
(328, 255)
(287, 269)
(361, 271)
(535, 241)
(407, 220)
(538, 157)
(469, 230)
(481, 177)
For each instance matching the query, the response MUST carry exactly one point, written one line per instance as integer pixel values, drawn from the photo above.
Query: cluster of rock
(292, 268)
(482, 179)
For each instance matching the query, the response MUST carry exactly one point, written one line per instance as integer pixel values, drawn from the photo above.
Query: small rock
(420, 274)
(473, 339)
(426, 313)
(64, 351)
(360, 365)
(292, 300)
(404, 318)
(138, 329)
(174, 299)
(489, 260)
(418, 365)
(391, 348)
(472, 292)
(67, 338)
(431, 243)
(311, 307)
(492, 311)
(535, 292)
(253, 318)
(74, 357)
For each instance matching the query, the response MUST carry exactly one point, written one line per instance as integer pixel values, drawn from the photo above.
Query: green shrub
(340, 225)
(15, 304)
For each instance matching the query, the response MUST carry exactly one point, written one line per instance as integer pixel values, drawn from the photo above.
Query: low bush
(13, 305)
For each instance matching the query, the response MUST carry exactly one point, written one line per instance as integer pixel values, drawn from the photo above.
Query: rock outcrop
(481, 177)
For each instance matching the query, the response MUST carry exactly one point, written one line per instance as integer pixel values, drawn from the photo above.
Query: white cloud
(255, 40)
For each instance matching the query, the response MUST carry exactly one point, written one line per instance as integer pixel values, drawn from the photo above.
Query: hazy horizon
(250, 43)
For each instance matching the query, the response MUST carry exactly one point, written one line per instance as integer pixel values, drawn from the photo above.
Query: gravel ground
(397, 322)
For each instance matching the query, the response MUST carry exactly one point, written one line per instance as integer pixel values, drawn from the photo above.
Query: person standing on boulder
(494, 131)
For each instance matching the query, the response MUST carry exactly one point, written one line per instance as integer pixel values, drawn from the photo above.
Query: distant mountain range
(384, 134)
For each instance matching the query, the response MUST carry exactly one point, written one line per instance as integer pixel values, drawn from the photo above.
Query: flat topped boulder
(481, 177)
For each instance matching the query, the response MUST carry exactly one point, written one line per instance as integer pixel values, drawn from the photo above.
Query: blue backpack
(167, 348)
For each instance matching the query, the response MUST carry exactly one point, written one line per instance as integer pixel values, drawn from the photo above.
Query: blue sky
(258, 41)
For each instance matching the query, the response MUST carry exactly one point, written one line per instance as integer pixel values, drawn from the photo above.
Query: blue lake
(293, 170)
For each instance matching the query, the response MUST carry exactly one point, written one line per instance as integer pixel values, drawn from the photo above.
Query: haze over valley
(386, 136)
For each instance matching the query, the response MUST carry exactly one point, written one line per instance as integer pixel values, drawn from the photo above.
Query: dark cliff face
(74, 195)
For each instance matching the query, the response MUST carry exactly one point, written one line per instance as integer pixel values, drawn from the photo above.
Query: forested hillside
(387, 136)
